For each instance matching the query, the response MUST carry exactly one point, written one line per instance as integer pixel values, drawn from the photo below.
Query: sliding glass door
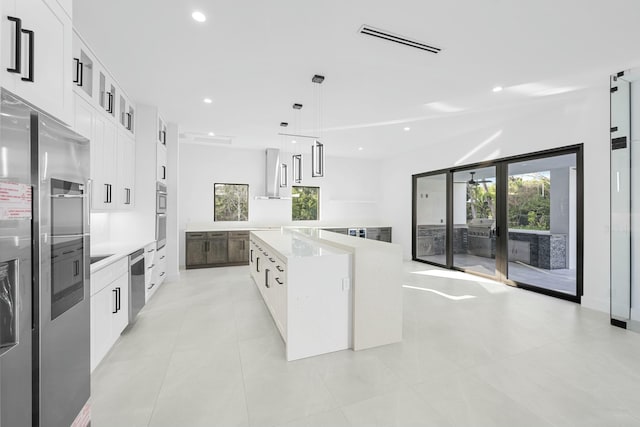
(542, 213)
(430, 202)
(474, 220)
(534, 199)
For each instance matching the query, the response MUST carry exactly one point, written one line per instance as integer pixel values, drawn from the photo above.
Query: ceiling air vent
(381, 34)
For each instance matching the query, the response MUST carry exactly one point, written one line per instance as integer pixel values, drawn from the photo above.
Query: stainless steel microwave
(161, 198)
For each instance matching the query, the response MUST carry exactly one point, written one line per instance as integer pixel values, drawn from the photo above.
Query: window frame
(317, 202)
(215, 216)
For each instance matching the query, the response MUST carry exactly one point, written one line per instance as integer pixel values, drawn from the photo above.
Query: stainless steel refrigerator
(44, 269)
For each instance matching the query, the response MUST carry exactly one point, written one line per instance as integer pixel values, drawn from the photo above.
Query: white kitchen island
(326, 291)
(306, 287)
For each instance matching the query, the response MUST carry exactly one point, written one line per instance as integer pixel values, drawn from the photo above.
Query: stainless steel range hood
(272, 176)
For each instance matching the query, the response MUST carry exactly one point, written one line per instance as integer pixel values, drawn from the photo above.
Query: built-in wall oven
(161, 215)
(67, 245)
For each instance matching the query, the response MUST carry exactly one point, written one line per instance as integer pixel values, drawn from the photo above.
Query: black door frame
(502, 166)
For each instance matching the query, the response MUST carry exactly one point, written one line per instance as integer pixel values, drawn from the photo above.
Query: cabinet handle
(78, 67)
(81, 82)
(18, 53)
(266, 278)
(162, 274)
(109, 102)
(280, 269)
(127, 196)
(116, 301)
(76, 267)
(162, 257)
(151, 286)
(271, 259)
(258, 264)
(151, 250)
(118, 307)
(31, 35)
(151, 266)
(128, 121)
(106, 193)
(164, 172)
(251, 255)
(110, 193)
(164, 137)
(279, 282)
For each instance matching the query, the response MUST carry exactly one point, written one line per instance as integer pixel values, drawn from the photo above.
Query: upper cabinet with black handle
(92, 81)
(35, 55)
(161, 151)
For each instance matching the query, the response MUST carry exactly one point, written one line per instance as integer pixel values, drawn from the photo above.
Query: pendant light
(296, 159)
(284, 176)
(317, 149)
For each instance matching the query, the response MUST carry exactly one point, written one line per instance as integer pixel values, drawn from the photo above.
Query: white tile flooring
(205, 352)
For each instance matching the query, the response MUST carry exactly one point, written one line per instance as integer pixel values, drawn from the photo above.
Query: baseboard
(596, 304)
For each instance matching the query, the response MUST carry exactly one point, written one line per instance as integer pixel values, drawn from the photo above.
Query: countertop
(289, 243)
(116, 250)
(195, 227)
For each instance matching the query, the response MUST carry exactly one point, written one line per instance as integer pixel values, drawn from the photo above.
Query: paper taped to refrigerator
(15, 201)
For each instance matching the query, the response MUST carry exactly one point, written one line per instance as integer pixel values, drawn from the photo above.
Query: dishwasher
(136, 284)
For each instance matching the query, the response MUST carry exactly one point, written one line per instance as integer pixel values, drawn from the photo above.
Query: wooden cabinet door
(239, 250)
(196, 252)
(217, 250)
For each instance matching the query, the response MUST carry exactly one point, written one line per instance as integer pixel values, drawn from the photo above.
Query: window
(306, 203)
(231, 202)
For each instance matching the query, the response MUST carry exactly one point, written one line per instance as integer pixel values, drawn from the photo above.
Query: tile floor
(205, 352)
(560, 280)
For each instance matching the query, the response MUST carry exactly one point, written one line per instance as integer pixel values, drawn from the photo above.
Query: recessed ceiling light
(497, 89)
(293, 141)
(198, 16)
(360, 148)
(407, 129)
(207, 100)
(211, 134)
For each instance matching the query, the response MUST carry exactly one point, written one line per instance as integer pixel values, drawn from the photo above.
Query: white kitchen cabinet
(104, 159)
(161, 163)
(113, 155)
(158, 273)
(149, 268)
(84, 70)
(126, 113)
(83, 119)
(36, 47)
(162, 265)
(125, 181)
(109, 307)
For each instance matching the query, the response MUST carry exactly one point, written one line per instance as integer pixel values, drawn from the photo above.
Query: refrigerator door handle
(18, 46)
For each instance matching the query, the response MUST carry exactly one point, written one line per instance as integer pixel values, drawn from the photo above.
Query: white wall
(349, 191)
(579, 117)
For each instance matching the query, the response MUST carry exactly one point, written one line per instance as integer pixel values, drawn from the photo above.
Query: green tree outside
(305, 203)
(231, 202)
(528, 202)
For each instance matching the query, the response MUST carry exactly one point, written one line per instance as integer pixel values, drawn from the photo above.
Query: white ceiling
(256, 58)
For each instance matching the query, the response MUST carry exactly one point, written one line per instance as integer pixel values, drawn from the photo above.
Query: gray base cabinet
(216, 249)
